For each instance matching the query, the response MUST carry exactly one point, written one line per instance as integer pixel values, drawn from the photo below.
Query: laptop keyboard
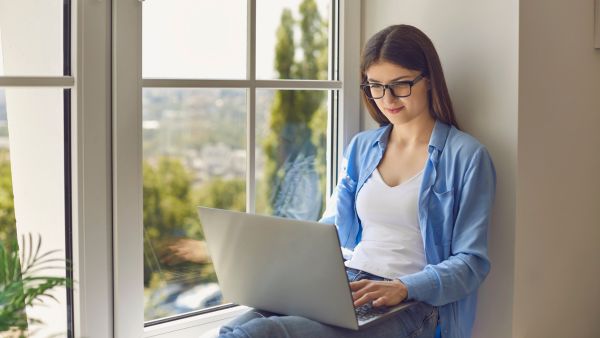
(367, 312)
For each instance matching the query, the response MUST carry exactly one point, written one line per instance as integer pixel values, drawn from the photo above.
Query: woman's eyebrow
(393, 80)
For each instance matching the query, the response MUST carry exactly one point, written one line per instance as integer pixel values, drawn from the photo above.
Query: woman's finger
(354, 286)
(382, 301)
(366, 298)
(367, 286)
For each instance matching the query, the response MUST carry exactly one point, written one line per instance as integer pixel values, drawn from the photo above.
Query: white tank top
(391, 244)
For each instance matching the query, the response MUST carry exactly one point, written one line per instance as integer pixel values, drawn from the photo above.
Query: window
(35, 145)
(194, 153)
(224, 104)
(232, 143)
(82, 112)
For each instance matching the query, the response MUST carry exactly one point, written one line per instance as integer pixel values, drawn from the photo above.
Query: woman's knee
(252, 326)
(240, 320)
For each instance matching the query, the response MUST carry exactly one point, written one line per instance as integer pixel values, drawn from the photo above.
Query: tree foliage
(296, 119)
(168, 210)
(8, 223)
(170, 202)
(223, 194)
(167, 198)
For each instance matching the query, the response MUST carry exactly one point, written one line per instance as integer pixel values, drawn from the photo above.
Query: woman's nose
(389, 97)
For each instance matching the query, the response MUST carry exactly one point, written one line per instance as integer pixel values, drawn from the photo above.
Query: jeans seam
(419, 330)
(429, 316)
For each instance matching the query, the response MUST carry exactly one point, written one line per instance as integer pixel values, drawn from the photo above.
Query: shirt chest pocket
(441, 215)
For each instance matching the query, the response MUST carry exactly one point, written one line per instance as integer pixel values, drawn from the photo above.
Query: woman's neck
(412, 133)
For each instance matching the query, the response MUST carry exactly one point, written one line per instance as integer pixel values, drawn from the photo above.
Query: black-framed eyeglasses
(376, 91)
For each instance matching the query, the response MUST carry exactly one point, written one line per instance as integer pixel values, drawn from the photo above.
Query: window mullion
(266, 84)
(251, 110)
(127, 176)
(91, 176)
(37, 81)
(334, 98)
(349, 62)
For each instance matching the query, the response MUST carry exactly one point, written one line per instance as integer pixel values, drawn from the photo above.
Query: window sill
(194, 326)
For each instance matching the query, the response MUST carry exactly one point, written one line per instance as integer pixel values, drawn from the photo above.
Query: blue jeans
(416, 321)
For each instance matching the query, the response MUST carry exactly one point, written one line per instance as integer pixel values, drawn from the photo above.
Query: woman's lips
(394, 110)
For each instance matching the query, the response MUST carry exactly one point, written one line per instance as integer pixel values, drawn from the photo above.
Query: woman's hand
(381, 293)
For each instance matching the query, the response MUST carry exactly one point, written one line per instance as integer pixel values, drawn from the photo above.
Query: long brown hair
(409, 47)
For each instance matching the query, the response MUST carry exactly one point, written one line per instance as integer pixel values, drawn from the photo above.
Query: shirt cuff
(419, 285)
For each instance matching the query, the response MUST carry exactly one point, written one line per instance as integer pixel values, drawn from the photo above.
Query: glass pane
(291, 141)
(194, 39)
(32, 200)
(31, 38)
(194, 154)
(292, 39)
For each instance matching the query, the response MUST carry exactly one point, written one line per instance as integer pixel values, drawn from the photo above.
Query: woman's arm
(340, 206)
(462, 272)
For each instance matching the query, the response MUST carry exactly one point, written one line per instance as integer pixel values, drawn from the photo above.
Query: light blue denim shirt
(455, 204)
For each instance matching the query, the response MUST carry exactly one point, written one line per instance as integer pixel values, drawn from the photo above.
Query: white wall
(477, 42)
(557, 272)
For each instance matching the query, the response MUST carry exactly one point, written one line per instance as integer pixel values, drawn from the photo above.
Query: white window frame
(127, 83)
(62, 82)
(92, 172)
(91, 183)
(90, 163)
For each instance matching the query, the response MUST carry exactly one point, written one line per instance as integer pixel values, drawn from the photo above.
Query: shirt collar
(439, 136)
(383, 137)
(437, 140)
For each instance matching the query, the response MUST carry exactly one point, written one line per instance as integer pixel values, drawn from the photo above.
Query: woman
(412, 206)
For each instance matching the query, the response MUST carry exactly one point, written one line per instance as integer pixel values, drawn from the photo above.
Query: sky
(173, 30)
(207, 39)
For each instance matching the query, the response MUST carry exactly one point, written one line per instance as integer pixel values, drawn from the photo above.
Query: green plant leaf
(20, 284)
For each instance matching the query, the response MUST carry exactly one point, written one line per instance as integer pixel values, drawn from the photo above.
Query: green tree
(168, 210)
(171, 224)
(170, 213)
(296, 117)
(8, 222)
(223, 194)
(8, 244)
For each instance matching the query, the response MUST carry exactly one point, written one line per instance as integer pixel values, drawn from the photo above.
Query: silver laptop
(284, 266)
